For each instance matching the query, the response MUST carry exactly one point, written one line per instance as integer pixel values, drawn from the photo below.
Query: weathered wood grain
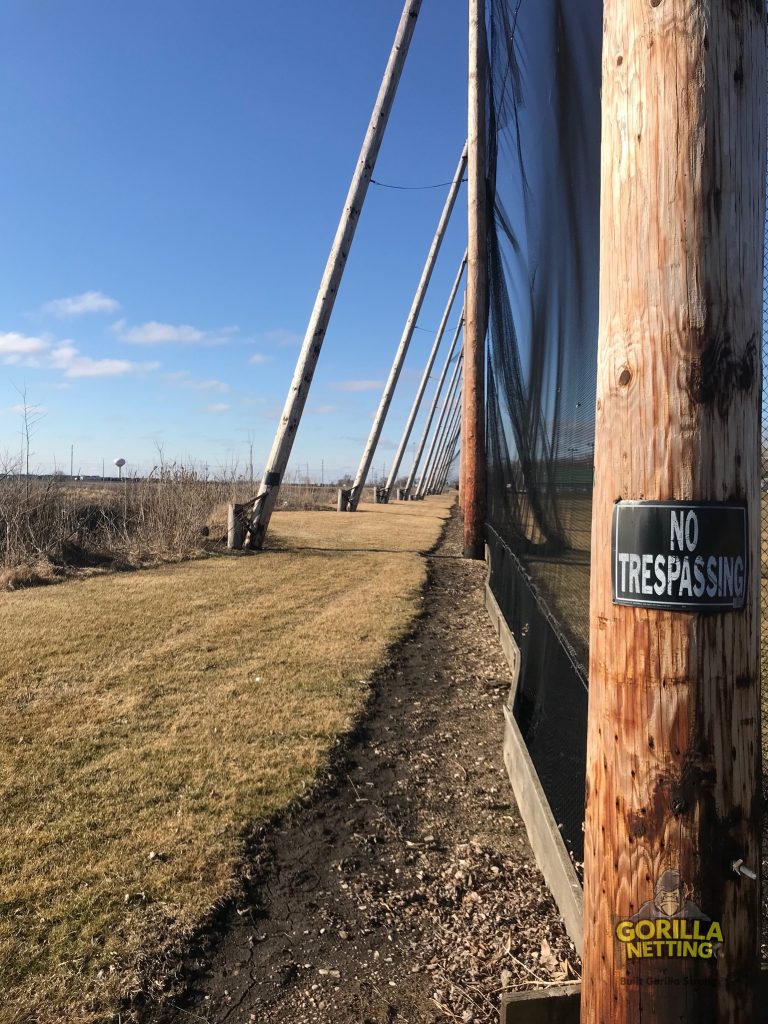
(472, 464)
(674, 719)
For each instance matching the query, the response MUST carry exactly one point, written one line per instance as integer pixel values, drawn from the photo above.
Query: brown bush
(53, 524)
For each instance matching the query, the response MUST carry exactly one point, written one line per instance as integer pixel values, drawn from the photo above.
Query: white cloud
(184, 380)
(217, 407)
(282, 337)
(13, 344)
(39, 353)
(67, 358)
(259, 358)
(154, 333)
(86, 302)
(324, 410)
(358, 385)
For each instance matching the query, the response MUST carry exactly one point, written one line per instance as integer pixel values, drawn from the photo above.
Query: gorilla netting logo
(670, 925)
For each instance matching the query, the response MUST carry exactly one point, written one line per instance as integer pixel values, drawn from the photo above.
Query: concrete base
(558, 1004)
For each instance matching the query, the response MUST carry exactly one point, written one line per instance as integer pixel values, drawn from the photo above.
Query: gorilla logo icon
(669, 901)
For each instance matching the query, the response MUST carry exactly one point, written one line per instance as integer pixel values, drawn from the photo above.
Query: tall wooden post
(472, 470)
(329, 286)
(405, 340)
(674, 808)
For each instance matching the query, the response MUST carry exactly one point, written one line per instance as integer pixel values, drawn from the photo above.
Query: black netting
(764, 510)
(544, 181)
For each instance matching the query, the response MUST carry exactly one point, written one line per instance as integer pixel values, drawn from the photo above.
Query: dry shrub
(54, 523)
(29, 574)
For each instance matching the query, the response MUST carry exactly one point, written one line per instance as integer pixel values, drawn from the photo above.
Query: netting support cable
(424, 381)
(329, 286)
(430, 415)
(405, 340)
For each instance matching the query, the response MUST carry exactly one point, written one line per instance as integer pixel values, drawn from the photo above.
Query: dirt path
(409, 892)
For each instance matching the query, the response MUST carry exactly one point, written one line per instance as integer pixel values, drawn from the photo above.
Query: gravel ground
(405, 889)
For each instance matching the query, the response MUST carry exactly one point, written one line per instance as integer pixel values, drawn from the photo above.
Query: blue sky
(173, 174)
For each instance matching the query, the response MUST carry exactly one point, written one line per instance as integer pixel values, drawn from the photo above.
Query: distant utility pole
(430, 415)
(452, 423)
(329, 286)
(473, 411)
(71, 461)
(440, 426)
(424, 380)
(405, 340)
(674, 800)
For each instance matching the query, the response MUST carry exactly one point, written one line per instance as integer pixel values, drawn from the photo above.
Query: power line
(412, 188)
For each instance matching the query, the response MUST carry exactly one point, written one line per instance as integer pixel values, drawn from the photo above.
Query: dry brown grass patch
(149, 720)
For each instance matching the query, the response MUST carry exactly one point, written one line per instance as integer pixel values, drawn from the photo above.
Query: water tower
(120, 463)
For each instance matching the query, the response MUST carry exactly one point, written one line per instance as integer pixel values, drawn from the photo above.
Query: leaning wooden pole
(452, 424)
(472, 470)
(405, 340)
(450, 454)
(446, 412)
(443, 478)
(329, 286)
(424, 380)
(433, 407)
(674, 802)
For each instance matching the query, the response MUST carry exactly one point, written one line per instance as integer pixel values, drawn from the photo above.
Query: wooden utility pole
(329, 286)
(424, 381)
(674, 807)
(405, 340)
(472, 469)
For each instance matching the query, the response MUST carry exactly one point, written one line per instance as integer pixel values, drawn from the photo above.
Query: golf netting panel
(764, 515)
(543, 116)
